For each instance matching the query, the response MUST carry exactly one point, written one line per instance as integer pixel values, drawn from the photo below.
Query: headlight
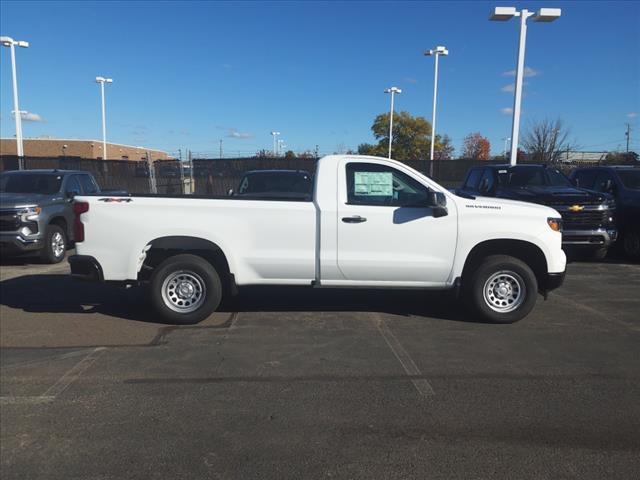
(555, 224)
(29, 213)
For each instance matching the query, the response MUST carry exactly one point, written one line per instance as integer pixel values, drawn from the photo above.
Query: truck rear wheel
(185, 289)
(503, 289)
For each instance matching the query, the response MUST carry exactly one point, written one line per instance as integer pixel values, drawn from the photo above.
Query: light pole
(506, 139)
(275, 134)
(102, 81)
(436, 52)
(502, 14)
(281, 145)
(11, 43)
(392, 91)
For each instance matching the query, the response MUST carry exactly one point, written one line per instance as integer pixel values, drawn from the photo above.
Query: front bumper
(602, 237)
(85, 267)
(553, 281)
(14, 242)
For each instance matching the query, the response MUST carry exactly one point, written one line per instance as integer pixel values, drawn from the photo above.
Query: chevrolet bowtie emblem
(576, 208)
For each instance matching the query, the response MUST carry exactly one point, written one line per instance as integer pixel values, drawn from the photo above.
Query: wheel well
(165, 247)
(525, 251)
(61, 222)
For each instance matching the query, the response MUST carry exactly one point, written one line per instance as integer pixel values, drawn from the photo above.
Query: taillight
(78, 228)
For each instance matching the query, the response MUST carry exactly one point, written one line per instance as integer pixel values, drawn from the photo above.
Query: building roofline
(85, 140)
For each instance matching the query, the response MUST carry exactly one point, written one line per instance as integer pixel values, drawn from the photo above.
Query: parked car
(36, 214)
(275, 183)
(372, 222)
(588, 217)
(623, 182)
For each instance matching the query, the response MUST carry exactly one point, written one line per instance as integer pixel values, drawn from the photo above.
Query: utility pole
(628, 135)
(392, 91)
(316, 152)
(220, 148)
(11, 43)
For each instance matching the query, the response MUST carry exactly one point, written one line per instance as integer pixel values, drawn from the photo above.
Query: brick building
(50, 147)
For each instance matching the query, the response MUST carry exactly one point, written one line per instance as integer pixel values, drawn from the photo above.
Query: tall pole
(391, 124)
(16, 108)
(517, 97)
(220, 148)
(628, 134)
(433, 113)
(104, 123)
(504, 152)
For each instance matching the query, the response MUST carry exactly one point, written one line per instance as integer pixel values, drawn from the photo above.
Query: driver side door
(387, 233)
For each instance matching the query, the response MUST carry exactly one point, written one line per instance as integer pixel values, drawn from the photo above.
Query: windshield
(630, 178)
(276, 182)
(532, 177)
(43, 183)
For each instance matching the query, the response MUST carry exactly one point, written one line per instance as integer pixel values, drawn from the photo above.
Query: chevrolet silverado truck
(36, 214)
(372, 223)
(588, 217)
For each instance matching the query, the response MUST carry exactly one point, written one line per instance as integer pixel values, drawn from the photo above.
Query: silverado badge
(576, 208)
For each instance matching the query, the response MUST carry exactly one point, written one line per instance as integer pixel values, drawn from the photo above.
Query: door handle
(354, 219)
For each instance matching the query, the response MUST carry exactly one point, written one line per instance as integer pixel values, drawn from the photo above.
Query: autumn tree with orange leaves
(476, 147)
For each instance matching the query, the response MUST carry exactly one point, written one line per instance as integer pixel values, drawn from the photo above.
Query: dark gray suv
(36, 210)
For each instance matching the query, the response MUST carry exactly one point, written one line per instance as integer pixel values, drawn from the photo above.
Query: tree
(545, 141)
(411, 138)
(443, 149)
(290, 154)
(476, 147)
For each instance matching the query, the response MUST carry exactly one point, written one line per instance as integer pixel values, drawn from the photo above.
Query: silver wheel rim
(183, 291)
(57, 244)
(504, 291)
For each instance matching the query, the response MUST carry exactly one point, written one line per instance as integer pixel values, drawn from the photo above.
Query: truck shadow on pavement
(63, 294)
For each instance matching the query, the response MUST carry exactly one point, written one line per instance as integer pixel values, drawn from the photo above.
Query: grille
(586, 218)
(9, 221)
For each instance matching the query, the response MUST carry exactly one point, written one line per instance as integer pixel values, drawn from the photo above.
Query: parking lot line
(74, 373)
(422, 385)
(586, 308)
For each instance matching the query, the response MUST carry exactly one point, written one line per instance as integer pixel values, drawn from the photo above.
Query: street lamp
(502, 14)
(506, 139)
(436, 52)
(392, 91)
(102, 81)
(275, 134)
(11, 43)
(281, 145)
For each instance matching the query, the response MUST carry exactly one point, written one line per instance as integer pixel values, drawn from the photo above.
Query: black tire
(631, 244)
(54, 253)
(599, 253)
(516, 277)
(192, 273)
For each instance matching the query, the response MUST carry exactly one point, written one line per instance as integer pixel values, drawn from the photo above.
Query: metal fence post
(152, 174)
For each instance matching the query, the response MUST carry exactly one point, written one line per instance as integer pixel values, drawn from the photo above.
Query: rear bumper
(85, 267)
(602, 237)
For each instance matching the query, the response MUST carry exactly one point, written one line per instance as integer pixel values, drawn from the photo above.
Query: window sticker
(368, 184)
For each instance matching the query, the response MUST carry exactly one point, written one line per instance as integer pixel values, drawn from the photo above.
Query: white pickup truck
(372, 222)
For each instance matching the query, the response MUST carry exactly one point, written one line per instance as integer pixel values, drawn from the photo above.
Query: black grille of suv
(585, 219)
(9, 220)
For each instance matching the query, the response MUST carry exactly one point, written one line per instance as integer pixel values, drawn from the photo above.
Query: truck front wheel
(502, 289)
(185, 289)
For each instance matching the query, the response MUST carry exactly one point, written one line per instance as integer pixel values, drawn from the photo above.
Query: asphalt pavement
(303, 383)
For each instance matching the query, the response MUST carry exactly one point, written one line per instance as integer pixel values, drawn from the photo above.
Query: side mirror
(609, 186)
(438, 201)
(230, 192)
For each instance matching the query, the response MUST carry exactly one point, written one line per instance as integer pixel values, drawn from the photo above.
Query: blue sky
(187, 74)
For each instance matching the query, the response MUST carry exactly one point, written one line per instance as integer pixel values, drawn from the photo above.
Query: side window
(374, 184)
(73, 186)
(88, 185)
(473, 179)
(586, 178)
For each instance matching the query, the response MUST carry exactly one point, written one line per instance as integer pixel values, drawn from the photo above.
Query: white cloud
(511, 87)
(632, 114)
(506, 110)
(30, 117)
(528, 72)
(233, 133)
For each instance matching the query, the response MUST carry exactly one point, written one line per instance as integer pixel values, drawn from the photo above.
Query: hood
(555, 195)
(507, 204)
(13, 200)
